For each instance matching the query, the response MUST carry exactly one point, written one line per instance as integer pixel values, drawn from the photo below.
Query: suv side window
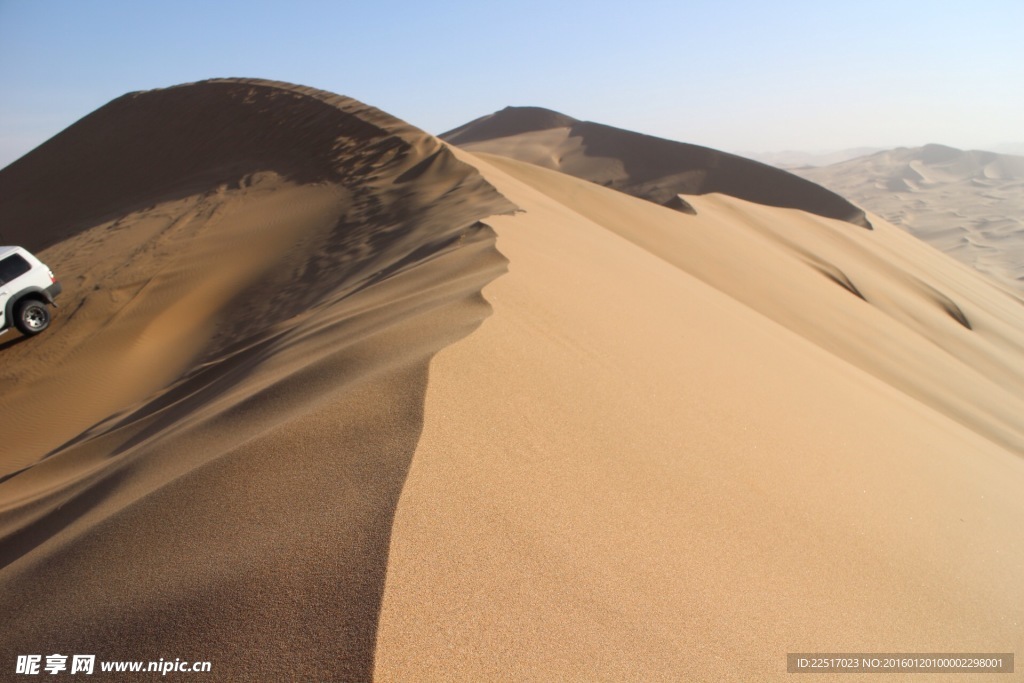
(13, 266)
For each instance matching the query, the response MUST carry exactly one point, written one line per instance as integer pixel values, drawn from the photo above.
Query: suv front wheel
(31, 316)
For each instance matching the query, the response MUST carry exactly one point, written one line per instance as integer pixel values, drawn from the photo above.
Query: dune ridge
(644, 166)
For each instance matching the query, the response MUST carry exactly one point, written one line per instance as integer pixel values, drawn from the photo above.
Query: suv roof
(4, 251)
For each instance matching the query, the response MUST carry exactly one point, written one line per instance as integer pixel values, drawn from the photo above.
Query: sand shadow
(98, 179)
(303, 596)
(271, 558)
(658, 169)
(14, 341)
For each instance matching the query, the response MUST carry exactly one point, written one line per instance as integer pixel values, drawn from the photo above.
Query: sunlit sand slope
(682, 447)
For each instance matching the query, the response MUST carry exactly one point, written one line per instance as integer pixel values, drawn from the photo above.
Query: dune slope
(204, 453)
(682, 447)
(881, 300)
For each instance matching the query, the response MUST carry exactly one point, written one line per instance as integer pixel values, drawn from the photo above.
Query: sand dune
(641, 165)
(791, 159)
(324, 423)
(236, 376)
(969, 204)
(659, 481)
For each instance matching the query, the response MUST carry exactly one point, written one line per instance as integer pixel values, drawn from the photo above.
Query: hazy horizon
(736, 76)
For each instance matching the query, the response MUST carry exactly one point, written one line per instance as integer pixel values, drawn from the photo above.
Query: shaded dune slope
(648, 167)
(177, 142)
(204, 454)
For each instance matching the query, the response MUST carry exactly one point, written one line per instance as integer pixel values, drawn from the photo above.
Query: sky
(737, 75)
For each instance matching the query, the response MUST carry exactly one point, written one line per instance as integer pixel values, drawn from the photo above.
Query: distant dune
(1016, 148)
(794, 159)
(641, 165)
(328, 399)
(969, 204)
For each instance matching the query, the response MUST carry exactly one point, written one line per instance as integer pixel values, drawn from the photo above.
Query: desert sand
(328, 399)
(968, 204)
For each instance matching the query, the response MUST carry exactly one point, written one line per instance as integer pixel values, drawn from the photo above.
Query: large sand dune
(205, 452)
(275, 428)
(969, 204)
(653, 168)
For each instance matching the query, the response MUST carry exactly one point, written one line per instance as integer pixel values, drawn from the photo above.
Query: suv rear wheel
(31, 316)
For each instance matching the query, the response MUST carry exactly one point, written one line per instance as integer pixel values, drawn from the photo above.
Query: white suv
(26, 287)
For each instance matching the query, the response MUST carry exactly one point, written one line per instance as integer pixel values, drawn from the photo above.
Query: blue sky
(736, 75)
